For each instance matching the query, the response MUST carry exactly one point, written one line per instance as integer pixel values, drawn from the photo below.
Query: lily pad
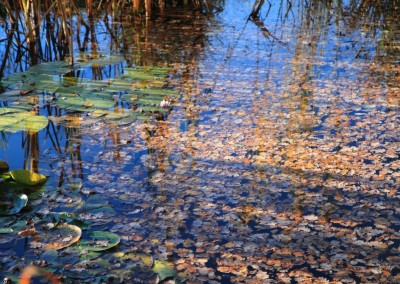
(13, 205)
(42, 77)
(156, 92)
(163, 269)
(19, 95)
(140, 86)
(147, 72)
(93, 60)
(100, 241)
(83, 104)
(18, 120)
(59, 237)
(120, 117)
(27, 177)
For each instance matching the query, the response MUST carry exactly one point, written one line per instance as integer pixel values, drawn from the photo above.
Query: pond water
(277, 163)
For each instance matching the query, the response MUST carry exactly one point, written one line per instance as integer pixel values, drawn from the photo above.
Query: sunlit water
(279, 163)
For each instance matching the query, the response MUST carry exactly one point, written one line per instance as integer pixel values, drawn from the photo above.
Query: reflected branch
(260, 24)
(7, 51)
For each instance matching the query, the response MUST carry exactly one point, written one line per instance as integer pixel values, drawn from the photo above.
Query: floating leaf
(80, 103)
(17, 120)
(44, 77)
(52, 68)
(27, 177)
(163, 269)
(140, 73)
(94, 60)
(19, 95)
(34, 123)
(101, 241)
(155, 92)
(59, 237)
(123, 116)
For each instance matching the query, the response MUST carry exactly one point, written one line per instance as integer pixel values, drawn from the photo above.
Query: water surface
(278, 163)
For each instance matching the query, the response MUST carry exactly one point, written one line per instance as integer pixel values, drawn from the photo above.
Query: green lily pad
(118, 85)
(155, 92)
(53, 68)
(14, 109)
(59, 237)
(123, 117)
(163, 269)
(146, 72)
(100, 241)
(93, 60)
(83, 104)
(17, 120)
(139, 86)
(19, 95)
(27, 177)
(43, 76)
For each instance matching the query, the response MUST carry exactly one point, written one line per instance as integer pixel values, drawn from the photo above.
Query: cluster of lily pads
(141, 91)
(61, 230)
(65, 240)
